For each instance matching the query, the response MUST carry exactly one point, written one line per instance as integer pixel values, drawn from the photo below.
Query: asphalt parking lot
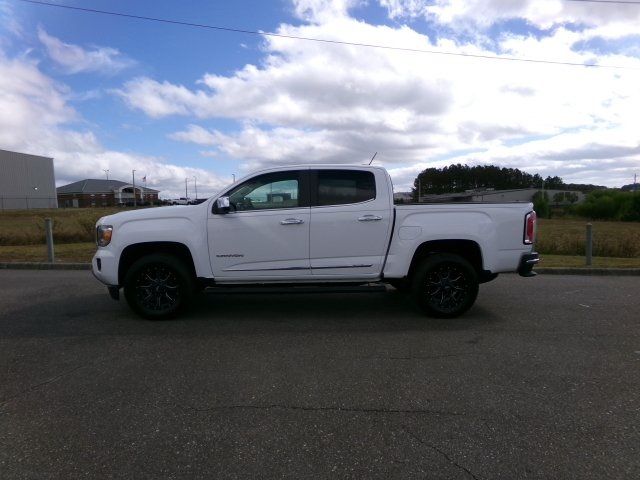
(541, 379)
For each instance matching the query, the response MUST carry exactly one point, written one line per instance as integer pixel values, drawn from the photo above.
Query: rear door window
(341, 187)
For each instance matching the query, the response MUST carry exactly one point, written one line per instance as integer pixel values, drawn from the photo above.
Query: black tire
(158, 286)
(445, 285)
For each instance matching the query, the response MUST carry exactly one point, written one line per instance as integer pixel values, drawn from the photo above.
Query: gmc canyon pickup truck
(314, 224)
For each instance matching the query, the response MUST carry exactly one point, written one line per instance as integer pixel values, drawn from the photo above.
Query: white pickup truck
(314, 224)
(180, 201)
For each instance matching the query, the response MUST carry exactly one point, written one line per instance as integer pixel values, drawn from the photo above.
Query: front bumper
(105, 267)
(527, 262)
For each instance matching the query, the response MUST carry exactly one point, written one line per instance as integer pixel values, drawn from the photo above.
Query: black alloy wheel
(445, 285)
(158, 286)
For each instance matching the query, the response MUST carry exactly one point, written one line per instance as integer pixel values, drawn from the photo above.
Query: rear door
(350, 222)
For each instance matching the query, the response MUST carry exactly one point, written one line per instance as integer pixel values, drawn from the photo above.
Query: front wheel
(445, 285)
(158, 286)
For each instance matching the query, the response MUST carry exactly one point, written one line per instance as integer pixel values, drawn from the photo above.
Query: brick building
(103, 193)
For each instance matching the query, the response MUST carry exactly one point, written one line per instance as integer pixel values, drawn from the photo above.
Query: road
(541, 379)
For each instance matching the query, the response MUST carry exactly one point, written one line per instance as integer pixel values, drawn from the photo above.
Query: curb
(542, 271)
(43, 266)
(587, 271)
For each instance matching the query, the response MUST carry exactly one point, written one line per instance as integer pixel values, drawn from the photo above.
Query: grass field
(568, 237)
(64, 252)
(26, 227)
(561, 242)
(572, 261)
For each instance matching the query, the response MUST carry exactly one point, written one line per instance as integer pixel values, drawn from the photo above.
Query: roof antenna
(374, 156)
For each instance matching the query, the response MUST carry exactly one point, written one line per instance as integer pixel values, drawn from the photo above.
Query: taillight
(530, 228)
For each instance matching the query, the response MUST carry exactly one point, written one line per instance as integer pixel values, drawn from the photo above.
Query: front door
(265, 234)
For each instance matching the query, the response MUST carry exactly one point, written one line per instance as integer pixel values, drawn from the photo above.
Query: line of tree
(459, 178)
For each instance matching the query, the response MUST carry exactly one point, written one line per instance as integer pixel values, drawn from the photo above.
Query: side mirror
(223, 204)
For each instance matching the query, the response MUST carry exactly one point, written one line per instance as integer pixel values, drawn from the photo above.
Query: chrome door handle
(369, 218)
(291, 221)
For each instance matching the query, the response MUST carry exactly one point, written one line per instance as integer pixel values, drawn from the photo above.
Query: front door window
(270, 191)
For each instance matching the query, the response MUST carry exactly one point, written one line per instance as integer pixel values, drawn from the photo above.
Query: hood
(177, 211)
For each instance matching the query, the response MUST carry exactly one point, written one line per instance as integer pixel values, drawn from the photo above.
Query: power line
(326, 41)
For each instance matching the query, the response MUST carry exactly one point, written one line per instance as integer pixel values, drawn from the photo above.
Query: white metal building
(26, 181)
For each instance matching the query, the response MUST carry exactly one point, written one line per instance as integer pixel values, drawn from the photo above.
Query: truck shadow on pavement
(233, 313)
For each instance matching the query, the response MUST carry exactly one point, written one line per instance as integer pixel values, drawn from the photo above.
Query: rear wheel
(445, 285)
(158, 286)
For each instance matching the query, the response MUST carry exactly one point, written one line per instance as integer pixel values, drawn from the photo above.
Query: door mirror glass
(222, 204)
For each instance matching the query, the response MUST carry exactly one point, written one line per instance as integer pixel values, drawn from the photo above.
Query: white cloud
(322, 10)
(161, 99)
(75, 59)
(196, 134)
(308, 102)
(404, 8)
(8, 21)
(36, 118)
(542, 13)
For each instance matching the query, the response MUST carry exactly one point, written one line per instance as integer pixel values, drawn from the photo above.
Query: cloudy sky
(173, 102)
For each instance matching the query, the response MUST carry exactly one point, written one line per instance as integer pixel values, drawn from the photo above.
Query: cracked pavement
(541, 379)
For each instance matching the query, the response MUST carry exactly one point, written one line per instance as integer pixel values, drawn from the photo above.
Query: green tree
(458, 178)
(559, 197)
(572, 197)
(611, 205)
(541, 204)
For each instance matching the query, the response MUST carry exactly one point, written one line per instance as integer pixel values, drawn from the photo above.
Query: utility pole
(186, 191)
(106, 171)
(234, 177)
(635, 182)
(195, 185)
(133, 176)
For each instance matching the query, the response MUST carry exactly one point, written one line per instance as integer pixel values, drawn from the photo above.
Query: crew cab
(314, 224)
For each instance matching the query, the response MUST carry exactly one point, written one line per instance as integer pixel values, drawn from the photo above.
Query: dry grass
(568, 237)
(64, 252)
(597, 262)
(26, 227)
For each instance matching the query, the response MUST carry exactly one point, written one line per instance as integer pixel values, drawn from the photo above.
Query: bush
(541, 204)
(611, 205)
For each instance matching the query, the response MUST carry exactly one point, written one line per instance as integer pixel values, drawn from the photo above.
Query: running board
(270, 289)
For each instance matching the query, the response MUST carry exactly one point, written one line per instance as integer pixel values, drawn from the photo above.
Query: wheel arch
(135, 251)
(467, 249)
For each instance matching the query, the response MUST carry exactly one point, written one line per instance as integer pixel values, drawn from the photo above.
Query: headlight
(103, 235)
